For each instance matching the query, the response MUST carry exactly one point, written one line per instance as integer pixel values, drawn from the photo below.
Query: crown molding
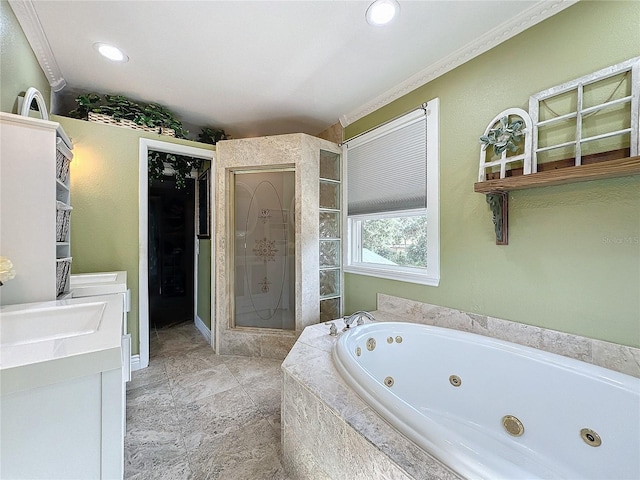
(27, 16)
(528, 18)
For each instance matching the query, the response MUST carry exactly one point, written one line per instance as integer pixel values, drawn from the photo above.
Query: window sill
(405, 276)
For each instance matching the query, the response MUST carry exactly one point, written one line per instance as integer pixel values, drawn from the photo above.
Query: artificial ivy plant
(182, 166)
(151, 115)
(504, 136)
(212, 135)
(121, 108)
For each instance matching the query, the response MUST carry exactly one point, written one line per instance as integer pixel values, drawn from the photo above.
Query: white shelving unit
(63, 210)
(28, 194)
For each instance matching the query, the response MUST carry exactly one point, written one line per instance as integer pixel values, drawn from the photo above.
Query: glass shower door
(264, 256)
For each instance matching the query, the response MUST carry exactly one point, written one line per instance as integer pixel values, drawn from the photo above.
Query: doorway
(171, 253)
(142, 359)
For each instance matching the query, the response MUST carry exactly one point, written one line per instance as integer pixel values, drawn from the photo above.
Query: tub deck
(329, 432)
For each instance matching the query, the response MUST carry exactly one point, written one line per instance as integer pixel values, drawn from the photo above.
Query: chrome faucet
(358, 317)
(333, 330)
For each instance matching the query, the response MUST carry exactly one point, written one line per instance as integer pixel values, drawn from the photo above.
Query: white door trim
(143, 226)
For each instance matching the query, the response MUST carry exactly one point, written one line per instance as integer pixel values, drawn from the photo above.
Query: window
(392, 199)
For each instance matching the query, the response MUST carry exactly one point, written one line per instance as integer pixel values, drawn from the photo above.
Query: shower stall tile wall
(267, 210)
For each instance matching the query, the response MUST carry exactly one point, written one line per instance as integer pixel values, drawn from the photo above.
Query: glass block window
(330, 242)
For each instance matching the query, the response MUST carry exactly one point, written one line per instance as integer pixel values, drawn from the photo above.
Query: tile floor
(194, 415)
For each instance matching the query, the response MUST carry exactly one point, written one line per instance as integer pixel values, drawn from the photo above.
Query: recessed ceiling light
(382, 12)
(111, 52)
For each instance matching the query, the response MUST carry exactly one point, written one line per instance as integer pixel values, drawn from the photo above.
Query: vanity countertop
(48, 342)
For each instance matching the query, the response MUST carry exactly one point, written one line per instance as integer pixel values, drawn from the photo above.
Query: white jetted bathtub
(492, 409)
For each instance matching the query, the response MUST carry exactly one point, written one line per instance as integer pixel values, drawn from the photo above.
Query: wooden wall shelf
(582, 173)
(497, 190)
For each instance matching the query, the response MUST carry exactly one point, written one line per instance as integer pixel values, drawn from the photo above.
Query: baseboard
(135, 362)
(204, 330)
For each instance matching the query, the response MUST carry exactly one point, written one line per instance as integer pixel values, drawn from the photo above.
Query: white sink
(99, 283)
(79, 335)
(41, 324)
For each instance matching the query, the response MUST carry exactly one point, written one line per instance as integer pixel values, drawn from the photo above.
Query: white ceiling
(266, 67)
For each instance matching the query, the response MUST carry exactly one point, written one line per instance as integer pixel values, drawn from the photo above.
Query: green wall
(104, 195)
(573, 259)
(19, 68)
(204, 282)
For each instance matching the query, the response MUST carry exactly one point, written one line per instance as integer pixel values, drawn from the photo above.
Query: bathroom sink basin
(99, 283)
(41, 324)
(41, 343)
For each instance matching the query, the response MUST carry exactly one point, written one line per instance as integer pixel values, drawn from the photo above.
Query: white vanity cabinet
(29, 197)
(61, 389)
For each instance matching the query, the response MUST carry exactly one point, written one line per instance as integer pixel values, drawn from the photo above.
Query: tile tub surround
(293, 150)
(620, 358)
(328, 432)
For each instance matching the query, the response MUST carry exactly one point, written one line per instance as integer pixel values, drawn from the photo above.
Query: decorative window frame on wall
(605, 146)
(541, 99)
(427, 115)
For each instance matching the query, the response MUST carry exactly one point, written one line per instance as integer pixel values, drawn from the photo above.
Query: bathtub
(492, 409)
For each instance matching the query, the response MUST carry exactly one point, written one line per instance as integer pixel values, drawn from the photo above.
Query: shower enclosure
(270, 194)
(264, 231)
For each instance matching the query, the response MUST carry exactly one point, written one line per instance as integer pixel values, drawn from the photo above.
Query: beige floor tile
(196, 415)
(193, 360)
(218, 414)
(154, 373)
(198, 385)
(248, 452)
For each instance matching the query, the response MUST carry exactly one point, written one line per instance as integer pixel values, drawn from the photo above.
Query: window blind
(387, 167)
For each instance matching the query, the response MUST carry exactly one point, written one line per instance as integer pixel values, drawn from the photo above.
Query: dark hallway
(171, 253)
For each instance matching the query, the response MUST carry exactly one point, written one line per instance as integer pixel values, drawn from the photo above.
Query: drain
(455, 380)
(388, 382)
(371, 344)
(512, 425)
(590, 437)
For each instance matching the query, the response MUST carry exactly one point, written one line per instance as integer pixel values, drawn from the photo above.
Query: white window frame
(424, 276)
